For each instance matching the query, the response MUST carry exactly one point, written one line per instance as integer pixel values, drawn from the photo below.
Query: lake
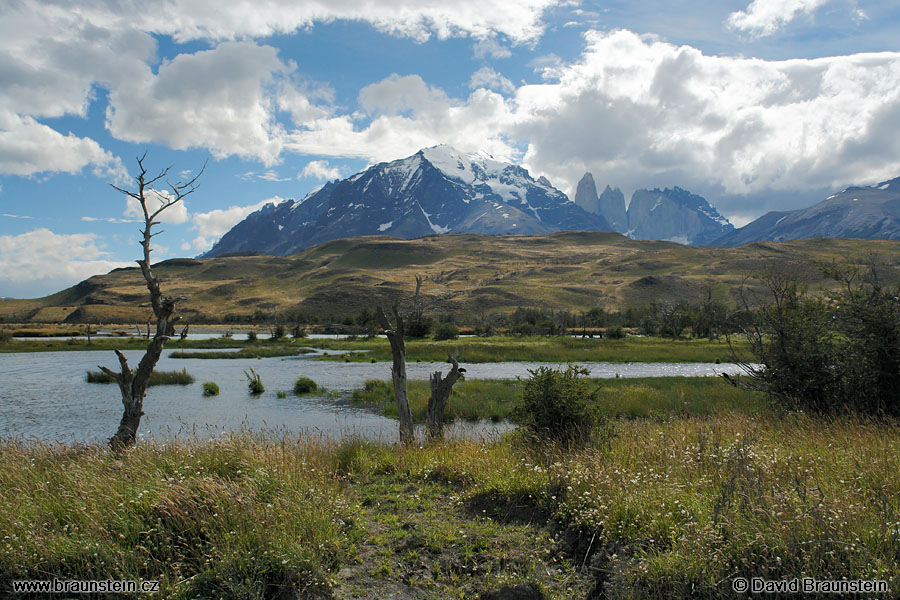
(44, 395)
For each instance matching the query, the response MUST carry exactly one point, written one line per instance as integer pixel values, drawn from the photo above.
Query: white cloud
(406, 115)
(219, 99)
(765, 17)
(321, 170)
(176, 214)
(54, 55)
(214, 224)
(108, 220)
(491, 79)
(632, 110)
(490, 47)
(28, 147)
(518, 20)
(41, 262)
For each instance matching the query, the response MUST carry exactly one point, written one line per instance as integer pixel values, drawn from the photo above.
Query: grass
(284, 348)
(181, 377)
(656, 397)
(664, 508)
(465, 273)
(473, 350)
(560, 349)
(112, 343)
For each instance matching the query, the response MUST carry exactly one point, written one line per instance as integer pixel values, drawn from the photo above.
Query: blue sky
(756, 104)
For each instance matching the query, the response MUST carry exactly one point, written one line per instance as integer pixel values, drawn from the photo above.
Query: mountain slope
(871, 213)
(464, 273)
(674, 215)
(437, 190)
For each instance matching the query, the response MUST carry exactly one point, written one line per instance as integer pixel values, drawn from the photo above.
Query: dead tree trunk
(133, 383)
(398, 373)
(440, 396)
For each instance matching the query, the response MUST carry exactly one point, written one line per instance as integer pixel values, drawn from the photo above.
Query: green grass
(253, 351)
(657, 397)
(666, 508)
(181, 377)
(113, 343)
(561, 349)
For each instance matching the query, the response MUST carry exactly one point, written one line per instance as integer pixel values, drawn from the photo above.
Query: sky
(757, 105)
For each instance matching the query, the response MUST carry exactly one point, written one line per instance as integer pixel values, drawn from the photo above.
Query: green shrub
(446, 331)
(615, 333)
(254, 383)
(281, 394)
(251, 336)
(181, 377)
(829, 354)
(558, 405)
(210, 388)
(304, 385)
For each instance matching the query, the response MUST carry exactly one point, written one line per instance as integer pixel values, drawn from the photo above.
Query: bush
(210, 388)
(251, 336)
(615, 333)
(446, 331)
(254, 383)
(558, 405)
(304, 385)
(281, 394)
(834, 354)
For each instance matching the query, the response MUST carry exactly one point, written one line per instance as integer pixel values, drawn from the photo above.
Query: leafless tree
(440, 395)
(133, 383)
(395, 333)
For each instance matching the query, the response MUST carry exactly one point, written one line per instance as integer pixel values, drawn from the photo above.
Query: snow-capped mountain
(867, 212)
(675, 215)
(436, 190)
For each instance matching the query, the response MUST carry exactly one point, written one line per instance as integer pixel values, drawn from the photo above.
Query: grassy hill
(465, 273)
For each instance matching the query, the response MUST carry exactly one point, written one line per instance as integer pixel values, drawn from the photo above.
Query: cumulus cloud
(41, 262)
(176, 214)
(635, 109)
(765, 17)
(405, 114)
(28, 147)
(518, 20)
(490, 47)
(215, 99)
(321, 170)
(212, 225)
(489, 78)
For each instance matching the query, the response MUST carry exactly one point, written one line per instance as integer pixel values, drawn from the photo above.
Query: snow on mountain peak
(509, 182)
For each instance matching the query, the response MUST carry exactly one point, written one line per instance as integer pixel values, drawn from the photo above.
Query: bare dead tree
(395, 333)
(133, 383)
(440, 396)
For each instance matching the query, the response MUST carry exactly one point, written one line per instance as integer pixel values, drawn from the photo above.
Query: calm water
(44, 395)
